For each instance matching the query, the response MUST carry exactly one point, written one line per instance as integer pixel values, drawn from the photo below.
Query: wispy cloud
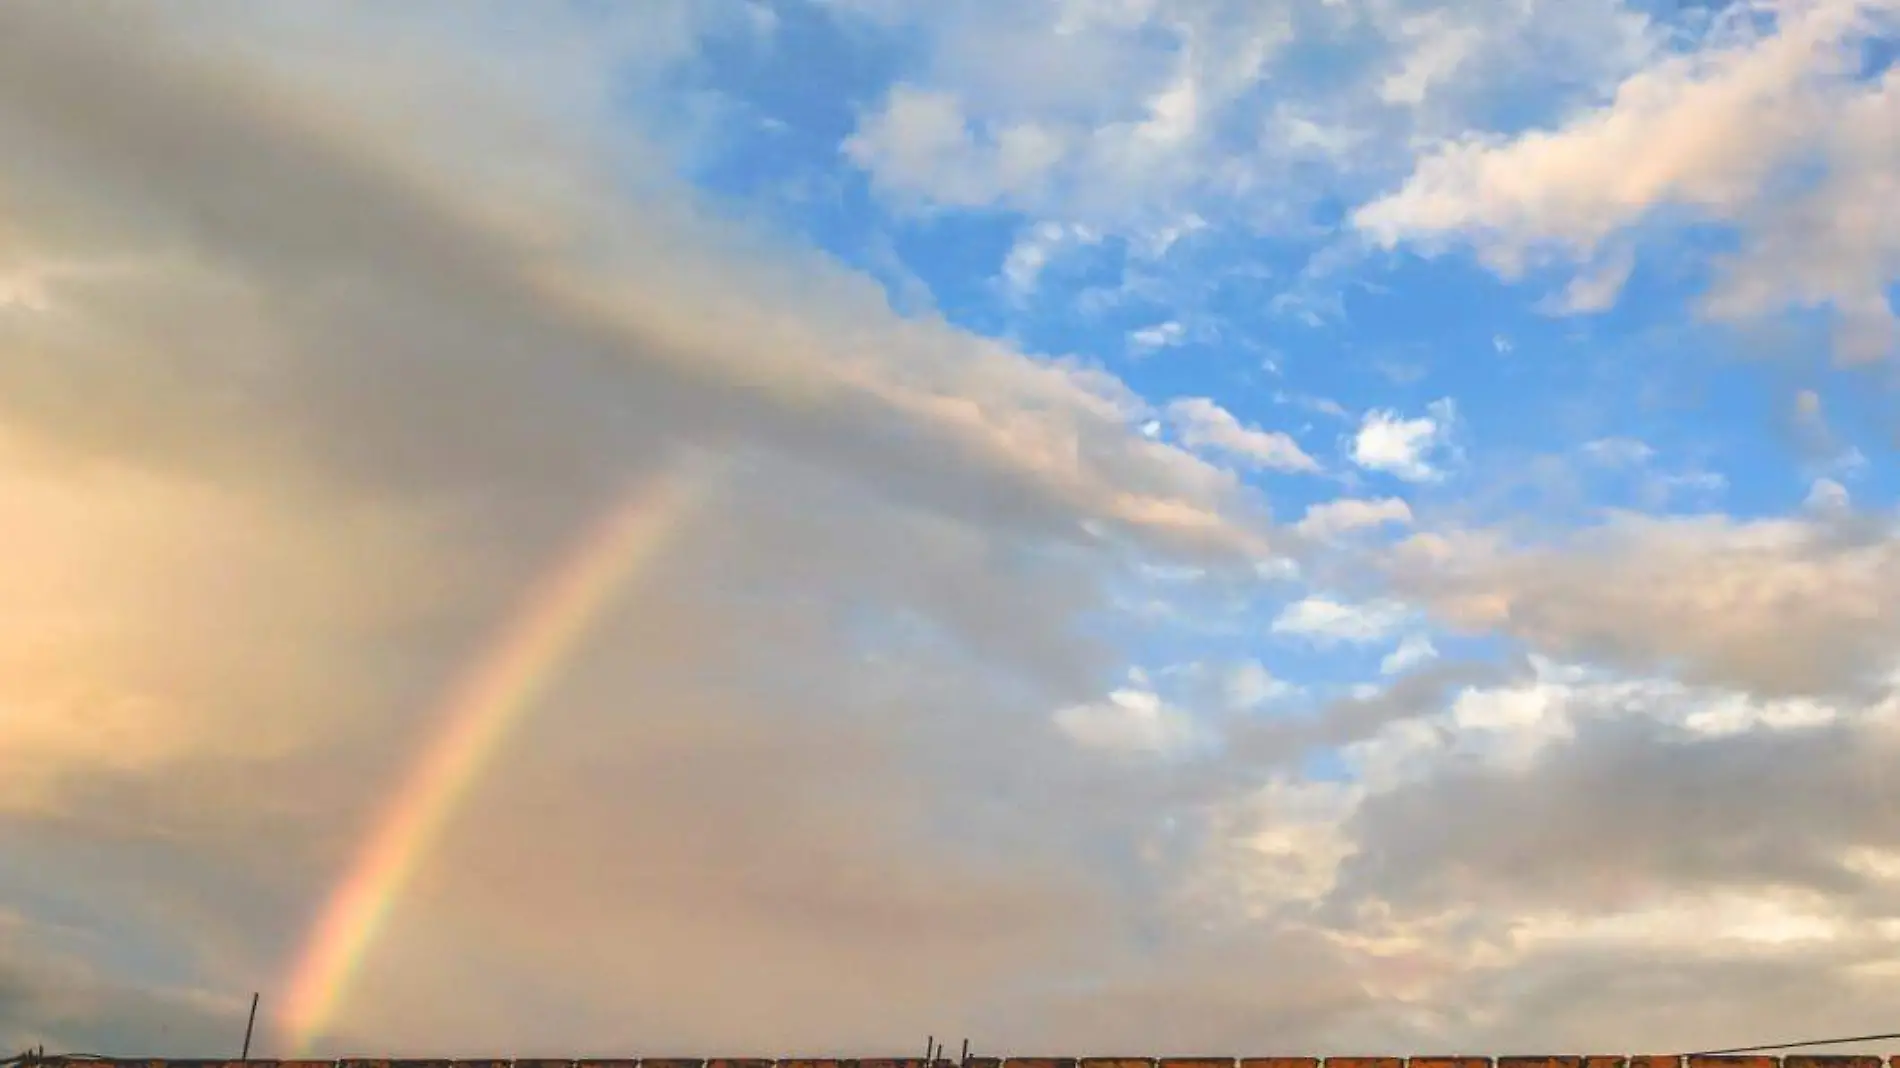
(1203, 424)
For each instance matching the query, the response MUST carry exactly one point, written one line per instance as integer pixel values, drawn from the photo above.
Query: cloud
(1619, 452)
(1719, 131)
(1135, 118)
(1412, 650)
(1128, 720)
(1159, 336)
(1569, 732)
(921, 138)
(1503, 833)
(337, 338)
(1828, 496)
(1820, 446)
(1035, 249)
(1776, 606)
(52, 996)
(1325, 620)
(1332, 518)
(1250, 685)
(1403, 447)
(359, 340)
(1203, 424)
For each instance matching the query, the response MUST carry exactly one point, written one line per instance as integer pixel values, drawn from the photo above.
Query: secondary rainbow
(476, 714)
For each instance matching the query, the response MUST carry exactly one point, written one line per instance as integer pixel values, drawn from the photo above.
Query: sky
(1097, 526)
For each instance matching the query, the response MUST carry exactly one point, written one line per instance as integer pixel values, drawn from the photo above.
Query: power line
(1794, 1045)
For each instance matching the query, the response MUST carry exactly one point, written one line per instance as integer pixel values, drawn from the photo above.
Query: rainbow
(476, 713)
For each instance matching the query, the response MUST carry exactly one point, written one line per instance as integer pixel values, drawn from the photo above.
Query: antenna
(252, 1022)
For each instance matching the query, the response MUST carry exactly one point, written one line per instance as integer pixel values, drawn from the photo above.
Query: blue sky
(1299, 325)
(1258, 525)
(1232, 316)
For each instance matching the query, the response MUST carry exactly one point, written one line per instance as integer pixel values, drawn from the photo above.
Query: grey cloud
(1572, 1000)
(1629, 807)
(51, 997)
(1774, 607)
(326, 407)
(350, 406)
(1256, 747)
(349, 283)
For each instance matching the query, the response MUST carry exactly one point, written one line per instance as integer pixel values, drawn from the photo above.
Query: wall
(1032, 1062)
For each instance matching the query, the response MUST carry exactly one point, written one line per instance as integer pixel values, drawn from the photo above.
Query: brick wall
(1028, 1062)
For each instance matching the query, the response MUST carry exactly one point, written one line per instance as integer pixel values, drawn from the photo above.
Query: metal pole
(252, 1022)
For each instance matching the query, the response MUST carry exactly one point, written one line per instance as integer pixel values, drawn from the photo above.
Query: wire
(1794, 1045)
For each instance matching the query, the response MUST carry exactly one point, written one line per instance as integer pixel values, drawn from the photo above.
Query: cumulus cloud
(1250, 685)
(1412, 650)
(1718, 131)
(1128, 720)
(1778, 606)
(1323, 619)
(1598, 811)
(1405, 448)
(1828, 496)
(1124, 117)
(1202, 424)
(1332, 518)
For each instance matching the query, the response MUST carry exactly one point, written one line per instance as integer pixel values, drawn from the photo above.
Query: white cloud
(1129, 121)
(1035, 249)
(1619, 452)
(1412, 650)
(1714, 131)
(1828, 496)
(1322, 405)
(1822, 449)
(1203, 424)
(921, 139)
(1023, 265)
(1159, 336)
(1596, 288)
(1128, 721)
(1771, 606)
(1331, 518)
(1706, 483)
(1436, 47)
(1325, 620)
(1250, 685)
(1404, 448)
